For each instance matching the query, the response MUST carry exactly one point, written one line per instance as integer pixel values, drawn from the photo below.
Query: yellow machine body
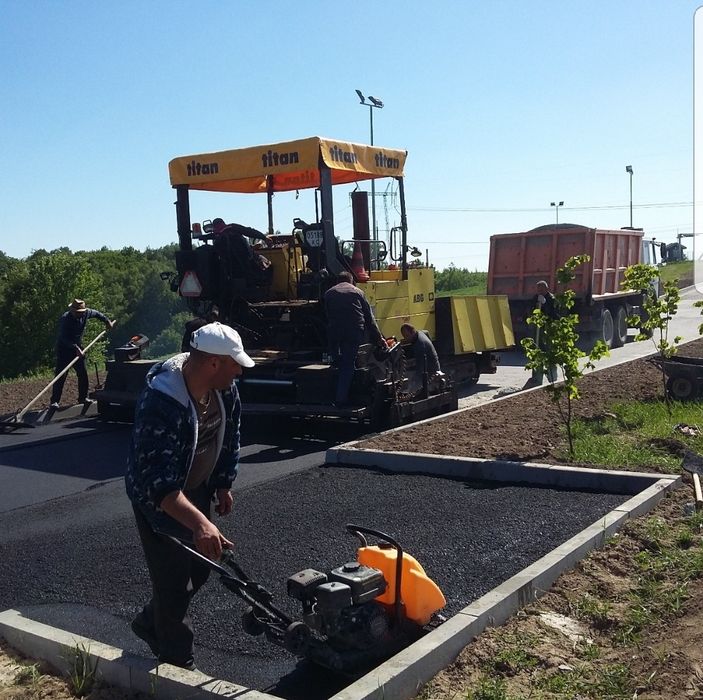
(478, 323)
(287, 263)
(420, 595)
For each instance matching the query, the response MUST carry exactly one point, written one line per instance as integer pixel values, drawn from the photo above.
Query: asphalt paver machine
(270, 287)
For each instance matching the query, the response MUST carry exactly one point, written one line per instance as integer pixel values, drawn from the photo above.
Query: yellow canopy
(293, 165)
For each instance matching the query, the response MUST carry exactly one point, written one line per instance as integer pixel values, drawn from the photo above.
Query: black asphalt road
(75, 561)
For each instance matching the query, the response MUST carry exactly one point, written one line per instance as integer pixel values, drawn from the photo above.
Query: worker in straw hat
(68, 347)
(184, 453)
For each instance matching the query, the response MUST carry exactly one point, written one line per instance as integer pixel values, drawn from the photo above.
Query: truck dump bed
(519, 260)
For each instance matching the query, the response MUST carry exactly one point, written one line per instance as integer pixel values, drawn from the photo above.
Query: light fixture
(378, 104)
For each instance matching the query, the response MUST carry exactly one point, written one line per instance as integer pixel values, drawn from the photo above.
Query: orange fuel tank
(420, 594)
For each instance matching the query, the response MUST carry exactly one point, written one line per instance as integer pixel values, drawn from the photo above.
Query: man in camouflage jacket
(184, 452)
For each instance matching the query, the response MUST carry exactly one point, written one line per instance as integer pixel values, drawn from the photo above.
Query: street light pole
(556, 205)
(628, 169)
(373, 103)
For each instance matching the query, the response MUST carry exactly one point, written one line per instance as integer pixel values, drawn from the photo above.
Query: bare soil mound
(526, 427)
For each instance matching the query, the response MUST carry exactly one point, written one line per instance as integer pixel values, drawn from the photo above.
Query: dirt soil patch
(15, 395)
(26, 679)
(526, 427)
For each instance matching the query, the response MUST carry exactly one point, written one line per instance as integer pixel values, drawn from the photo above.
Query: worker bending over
(424, 354)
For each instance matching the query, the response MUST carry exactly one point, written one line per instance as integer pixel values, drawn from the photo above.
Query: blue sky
(503, 107)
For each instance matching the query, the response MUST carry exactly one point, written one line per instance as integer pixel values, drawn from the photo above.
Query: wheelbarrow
(684, 376)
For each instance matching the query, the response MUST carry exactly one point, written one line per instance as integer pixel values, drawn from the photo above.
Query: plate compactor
(353, 616)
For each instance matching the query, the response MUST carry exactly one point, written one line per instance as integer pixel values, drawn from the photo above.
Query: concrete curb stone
(115, 667)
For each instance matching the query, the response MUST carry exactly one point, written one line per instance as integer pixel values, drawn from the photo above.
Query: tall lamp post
(373, 103)
(557, 205)
(628, 169)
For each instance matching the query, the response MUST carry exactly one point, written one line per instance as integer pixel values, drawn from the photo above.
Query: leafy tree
(558, 347)
(168, 341)
(141, 301)
(657, 312)
(37, 291)
(459, 278)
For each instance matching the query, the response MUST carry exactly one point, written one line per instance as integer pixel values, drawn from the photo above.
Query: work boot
(187, 665)
(146, 634)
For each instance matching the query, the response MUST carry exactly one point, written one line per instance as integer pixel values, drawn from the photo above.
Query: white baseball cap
(218, 339)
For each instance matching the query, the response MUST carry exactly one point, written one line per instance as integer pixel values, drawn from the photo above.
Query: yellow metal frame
(479, 323)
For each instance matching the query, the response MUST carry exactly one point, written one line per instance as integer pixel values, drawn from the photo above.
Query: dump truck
(517, 261)
(271, 290)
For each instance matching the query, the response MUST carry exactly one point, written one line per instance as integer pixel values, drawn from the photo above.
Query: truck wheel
(681, 388)
(607, 328)
(620, 327)
(473, 376)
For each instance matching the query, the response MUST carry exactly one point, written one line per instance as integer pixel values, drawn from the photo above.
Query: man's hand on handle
(210, 541)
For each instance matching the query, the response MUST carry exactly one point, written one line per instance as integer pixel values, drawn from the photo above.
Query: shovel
(20, 415)
(693, 464)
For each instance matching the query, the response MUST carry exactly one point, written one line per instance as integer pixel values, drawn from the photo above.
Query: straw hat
(77, 306)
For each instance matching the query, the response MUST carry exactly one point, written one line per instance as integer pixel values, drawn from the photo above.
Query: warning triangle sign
(190, 285)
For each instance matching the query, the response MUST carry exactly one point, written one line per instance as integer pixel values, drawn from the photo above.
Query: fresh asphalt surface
(75, 562)
(71, 556)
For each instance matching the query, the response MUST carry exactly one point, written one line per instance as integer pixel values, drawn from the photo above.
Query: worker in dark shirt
(232, 244)
(68, 347)
(544, 301)
(349, 318)
(423, 352)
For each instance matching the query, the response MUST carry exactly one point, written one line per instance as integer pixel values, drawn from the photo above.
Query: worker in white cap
(184, 454)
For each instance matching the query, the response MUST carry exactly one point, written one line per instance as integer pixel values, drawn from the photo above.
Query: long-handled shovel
(693, 464)
(20, 415)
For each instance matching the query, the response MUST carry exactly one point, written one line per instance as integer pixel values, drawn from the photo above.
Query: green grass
(27, 674)
(638, 435)
(464, 291)
(515, 656)
(489, 689)
(677, 270)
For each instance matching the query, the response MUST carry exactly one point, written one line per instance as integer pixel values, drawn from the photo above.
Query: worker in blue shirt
(68, 347)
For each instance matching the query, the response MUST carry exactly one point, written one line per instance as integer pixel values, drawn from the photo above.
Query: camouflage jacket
(165, 435)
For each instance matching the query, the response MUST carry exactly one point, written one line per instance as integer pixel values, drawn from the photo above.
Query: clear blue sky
(503, 107)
